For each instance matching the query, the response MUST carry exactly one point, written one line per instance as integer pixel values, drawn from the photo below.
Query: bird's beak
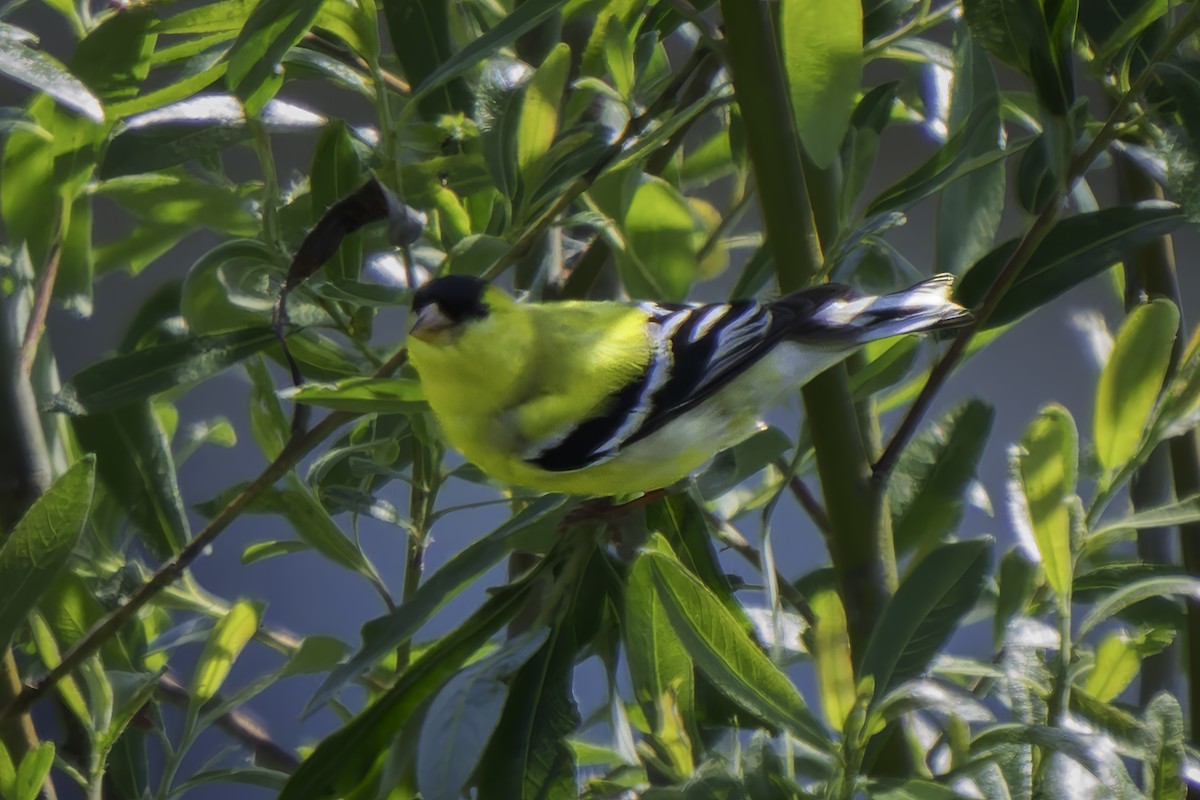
(430, 322)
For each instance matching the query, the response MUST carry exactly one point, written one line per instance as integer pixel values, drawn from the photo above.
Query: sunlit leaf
(661, 233)
(725, 653)
(822, 56)
(362, 395)
(1046, 466)
(1132, 380)
(1165, 740)
(1116, 664)
(40, 544)
(43, 73)
(273, 27)
(1135, 592)
(32, 772)
(658, 663)
(539, 113)
(231, 633)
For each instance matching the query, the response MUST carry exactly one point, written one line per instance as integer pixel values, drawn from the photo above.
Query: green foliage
(600, 150)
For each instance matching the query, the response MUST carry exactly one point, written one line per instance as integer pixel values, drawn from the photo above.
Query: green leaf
(1116, 664)
(1091, 751)
(923, 613)
(343, 759)
(40, 544)
(1131, 382)
(8, 773)
(723, 651)
(114, 58)
(420, 31)
(274, 26)
(663, 245)
(528, 756)
(1017, 580)
(539, 114)
(523, 19)
(216, 17)
(131, 692)
(742, 461)
(225, 642)
(829, 642)
(822, 49)
(1005, 28)
(1180, 513)
(42, 73)
(1075, 249)
(184, 202)
(463, 715)
(362, 395)
(658, 663)
(1164, 735)
(1046, 467)
(498, 108)
(268, 424)
(1135, 592)
(260, 551)
(958, 157)
(134, 462)
(927, 491)
(316, 654)
(32, 773)
(384, 634)
(337, 172)
(355, 22)
(125, 379)
(969, 208)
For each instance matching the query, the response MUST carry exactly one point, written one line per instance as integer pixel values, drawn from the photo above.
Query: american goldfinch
(609, 398)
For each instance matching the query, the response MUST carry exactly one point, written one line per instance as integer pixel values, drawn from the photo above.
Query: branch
(295, 449)
(41, 306)
(239, 726)
(1025, 249)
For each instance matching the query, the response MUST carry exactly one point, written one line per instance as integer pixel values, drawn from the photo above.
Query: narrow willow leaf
(663, 244)
(8, 773)
(134, 462)
(929, 486)
(969, 208)
(225, 642)
(1017, 580)
(524, 18)
(463, 715)
(43, 73)
(344, 758)
(658, 663)
(245, 776)
(726, 655)
(384, 634)
(362, 395)
(1046, 467)
(355, 22)
(1075, 249)
(273, 27)
(260, 551)
(830, 645)
(40, 544)
(216, 17)
(1135, 592)
(337, 172)
(131, 692)
(1092, 752)
(139, 375)
(539, 113)
(114, 58)
(32, 773)
(1116, 664)
(1131, 382)
(1181, 513)
(822, 49)
(925, 610)
(1164, 735)
(528, 756)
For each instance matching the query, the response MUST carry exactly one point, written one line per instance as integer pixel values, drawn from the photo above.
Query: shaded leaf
(337, 172)
(386, 633)
(1135, 592)
(928, 488)
(1165, 742)
(658, 663)
(923, 613)
(663, 245)
(32, 772)
(40, 544)
(1075, 249)
(124, 379)
(539, 114)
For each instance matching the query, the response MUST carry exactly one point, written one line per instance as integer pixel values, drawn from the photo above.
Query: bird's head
(446, 307)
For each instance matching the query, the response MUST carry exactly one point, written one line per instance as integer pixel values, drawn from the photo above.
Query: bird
(610, 398)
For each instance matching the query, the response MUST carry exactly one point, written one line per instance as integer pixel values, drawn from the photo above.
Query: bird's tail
(924, 307)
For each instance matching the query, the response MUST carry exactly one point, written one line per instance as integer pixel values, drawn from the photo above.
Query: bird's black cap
(460, 297)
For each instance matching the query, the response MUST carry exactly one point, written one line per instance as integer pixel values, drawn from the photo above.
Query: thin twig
(810, 504)
(296, 448)
(41, 306)
(1021, 255)
(238, 725)
(732, 538)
